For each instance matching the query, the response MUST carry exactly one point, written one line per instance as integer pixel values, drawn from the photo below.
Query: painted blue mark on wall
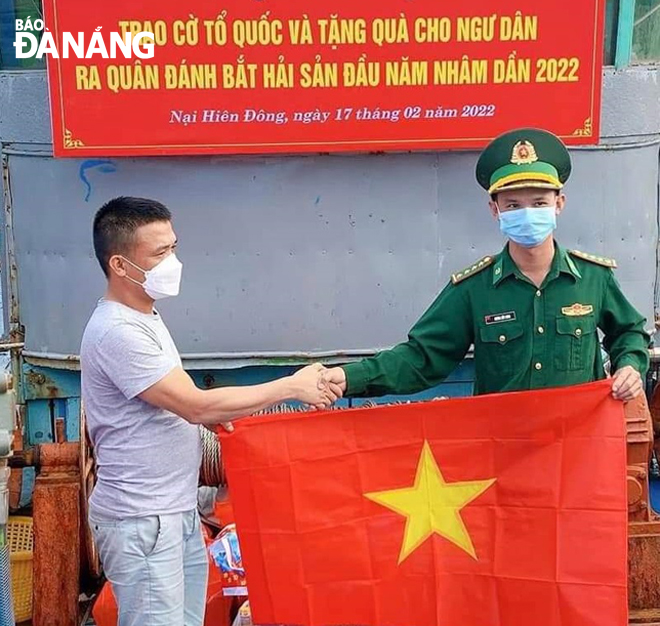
(101, 165)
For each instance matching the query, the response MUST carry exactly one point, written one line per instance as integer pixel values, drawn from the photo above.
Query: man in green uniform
(532, 311)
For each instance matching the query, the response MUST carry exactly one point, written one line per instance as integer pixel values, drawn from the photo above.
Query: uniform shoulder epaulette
(593, 258)
(471, 270)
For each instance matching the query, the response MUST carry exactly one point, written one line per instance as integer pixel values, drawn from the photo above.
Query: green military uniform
(524, 337)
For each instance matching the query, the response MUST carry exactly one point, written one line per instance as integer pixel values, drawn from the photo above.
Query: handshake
(318, 386)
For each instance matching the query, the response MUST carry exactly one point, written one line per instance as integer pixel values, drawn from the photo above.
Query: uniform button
(578, 332)
(541, 330)
(538, 366)
(502, 338)
(538, 293)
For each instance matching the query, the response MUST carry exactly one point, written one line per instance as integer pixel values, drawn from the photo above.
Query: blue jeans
(157, 566)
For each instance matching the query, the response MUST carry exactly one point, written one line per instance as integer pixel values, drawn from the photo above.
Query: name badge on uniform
(577, 310)
(497, 318)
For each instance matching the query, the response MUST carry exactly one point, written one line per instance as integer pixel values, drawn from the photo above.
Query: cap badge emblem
(524, 153)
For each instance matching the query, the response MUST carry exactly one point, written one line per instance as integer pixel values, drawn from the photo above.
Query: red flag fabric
(492, 511)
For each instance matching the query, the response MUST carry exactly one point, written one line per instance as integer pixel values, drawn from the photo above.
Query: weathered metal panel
(631, 102)
(276, 257)
(290, 255)
(307, 253)
(24, 108)
(47, 383)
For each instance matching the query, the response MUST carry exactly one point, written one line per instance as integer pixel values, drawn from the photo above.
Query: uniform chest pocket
(502, 346)
(576, 342)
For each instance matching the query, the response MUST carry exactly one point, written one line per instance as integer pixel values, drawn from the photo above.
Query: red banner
(283, 76)
(495, 510)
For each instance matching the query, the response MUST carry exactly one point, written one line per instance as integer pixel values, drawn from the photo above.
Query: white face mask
(161, 281)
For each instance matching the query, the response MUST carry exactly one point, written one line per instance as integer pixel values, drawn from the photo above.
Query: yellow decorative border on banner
(586, 130)
(70, 142)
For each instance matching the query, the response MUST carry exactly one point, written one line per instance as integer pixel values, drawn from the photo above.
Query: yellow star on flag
(431, 506)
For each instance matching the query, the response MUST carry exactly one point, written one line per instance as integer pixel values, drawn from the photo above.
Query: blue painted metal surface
(654, 494)
(50, 394)
(29, 476)
(40, 383)
(55, 393)
(458, 384)
(39, 422)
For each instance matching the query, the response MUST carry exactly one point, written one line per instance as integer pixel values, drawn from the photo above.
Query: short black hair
(116, 222)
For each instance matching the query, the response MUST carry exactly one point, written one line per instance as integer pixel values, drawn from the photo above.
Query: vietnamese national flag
(499, 510)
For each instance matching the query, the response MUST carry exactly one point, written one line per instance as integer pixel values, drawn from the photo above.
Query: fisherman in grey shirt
(144, 413)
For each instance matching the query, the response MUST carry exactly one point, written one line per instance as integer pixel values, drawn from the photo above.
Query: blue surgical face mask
(528, 227)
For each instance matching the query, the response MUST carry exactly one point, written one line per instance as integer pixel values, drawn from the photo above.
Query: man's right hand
(311, 387)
